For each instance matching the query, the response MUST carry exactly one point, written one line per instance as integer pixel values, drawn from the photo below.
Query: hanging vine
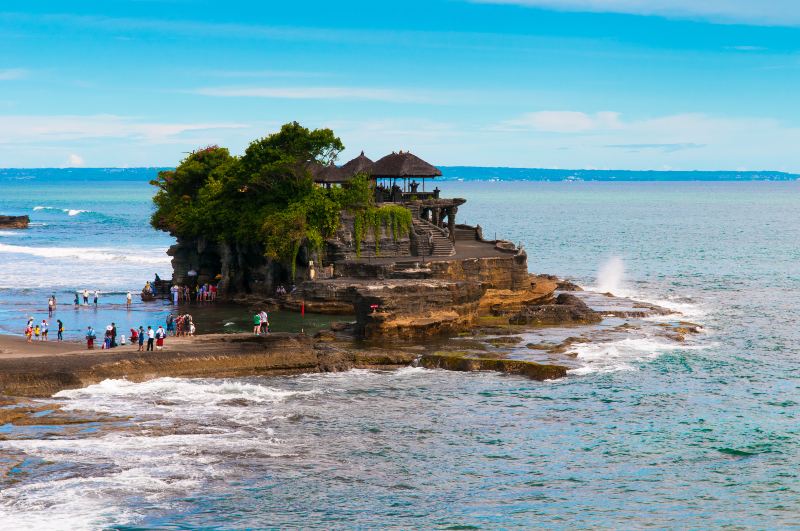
(396, 220)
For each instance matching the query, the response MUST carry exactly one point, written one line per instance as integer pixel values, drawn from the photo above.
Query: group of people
(281, 292)
(260, 323)
(182, 325)
(138, 337)
(200, 293)
(85, 295)
(40, 331)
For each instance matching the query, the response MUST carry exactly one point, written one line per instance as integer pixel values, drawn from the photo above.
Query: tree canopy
(266, 196)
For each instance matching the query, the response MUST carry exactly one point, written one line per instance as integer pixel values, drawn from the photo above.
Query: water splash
(611, 275)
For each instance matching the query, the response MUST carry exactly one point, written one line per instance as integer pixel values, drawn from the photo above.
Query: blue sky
(623, 84)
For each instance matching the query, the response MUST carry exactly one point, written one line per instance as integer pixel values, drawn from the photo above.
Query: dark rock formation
(567, 309)
(458, 361)
(14, 222)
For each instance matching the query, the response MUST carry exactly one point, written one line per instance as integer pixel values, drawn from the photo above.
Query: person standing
(171, 324)
(28, 333)
(141, 339)
(160, 335)
(113, 335)
(128, 299)
(150, 338)
(36, 332)
(96, 296)
(51, 305)
(86, 297)
(45, 328)
(60, 330)
(264, 322)
(256, 323)
(77, 298)
(90, 335)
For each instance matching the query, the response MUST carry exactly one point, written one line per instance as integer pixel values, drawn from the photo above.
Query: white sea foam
(5, 233)
(87, 254)
(67, 211)
(136, 467)
(619, 355)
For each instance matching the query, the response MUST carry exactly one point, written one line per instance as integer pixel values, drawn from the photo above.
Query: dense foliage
(267, 196)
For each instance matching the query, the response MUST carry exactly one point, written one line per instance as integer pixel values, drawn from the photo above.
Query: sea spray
(611, 275)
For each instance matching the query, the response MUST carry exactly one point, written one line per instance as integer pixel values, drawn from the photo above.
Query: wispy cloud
(664, 148)
(318, 93)
(761, 12)
(563, 121)
(18, 129)
(9, 74)
(263, 74)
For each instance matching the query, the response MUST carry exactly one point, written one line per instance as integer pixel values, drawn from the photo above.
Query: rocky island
(370, 241)
(14, 222)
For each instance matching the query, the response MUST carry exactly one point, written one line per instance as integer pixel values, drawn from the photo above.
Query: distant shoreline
(449, 173)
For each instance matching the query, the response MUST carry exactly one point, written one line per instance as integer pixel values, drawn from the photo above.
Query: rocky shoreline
(14, 222)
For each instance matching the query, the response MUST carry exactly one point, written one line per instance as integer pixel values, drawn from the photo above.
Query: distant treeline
(474, 173)
(467, 173)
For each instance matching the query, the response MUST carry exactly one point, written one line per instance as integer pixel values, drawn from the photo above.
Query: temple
(403, 179)
(427, 277)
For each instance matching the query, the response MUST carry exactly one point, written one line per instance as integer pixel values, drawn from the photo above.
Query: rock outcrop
(218, 356)
(14, 222)
(566, 309)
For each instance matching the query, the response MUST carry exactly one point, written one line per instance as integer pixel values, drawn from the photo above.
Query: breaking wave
(620, 355)
(86, 254)
(67, 211)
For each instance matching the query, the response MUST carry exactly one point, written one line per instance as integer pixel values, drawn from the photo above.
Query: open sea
(646, 434)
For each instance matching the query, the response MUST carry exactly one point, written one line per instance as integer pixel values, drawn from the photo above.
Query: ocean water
(644, 433)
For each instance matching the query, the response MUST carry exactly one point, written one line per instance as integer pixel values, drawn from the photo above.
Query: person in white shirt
(86, 297)
(151, 335)
(128, 298)
(96, 296)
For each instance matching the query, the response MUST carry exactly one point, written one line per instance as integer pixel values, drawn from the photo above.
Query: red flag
(303, 309)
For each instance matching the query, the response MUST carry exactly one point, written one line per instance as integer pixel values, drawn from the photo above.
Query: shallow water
(645, 433)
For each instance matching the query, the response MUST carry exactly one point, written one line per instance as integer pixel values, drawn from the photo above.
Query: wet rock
(14, 222)
(460, 361)
(567, 309)
(568, 285)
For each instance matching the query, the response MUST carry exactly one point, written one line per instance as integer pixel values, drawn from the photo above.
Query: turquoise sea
(650, 434)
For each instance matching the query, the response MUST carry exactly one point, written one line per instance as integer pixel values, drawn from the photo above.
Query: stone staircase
(464, 234)
(426, 232)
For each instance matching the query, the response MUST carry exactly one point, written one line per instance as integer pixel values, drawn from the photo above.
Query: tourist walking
(60, 330)
(128, 299)
(90, 335)
(257, 323)
(141, 339)
(150, 338)
(160, 335)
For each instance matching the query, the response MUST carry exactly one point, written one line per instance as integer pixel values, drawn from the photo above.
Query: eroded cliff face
(243, 269)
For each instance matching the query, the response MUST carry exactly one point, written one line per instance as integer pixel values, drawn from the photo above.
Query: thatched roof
(326, 174)
(360, 164)
(403, 164)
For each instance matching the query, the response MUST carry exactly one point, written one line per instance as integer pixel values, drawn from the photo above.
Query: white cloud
(16, 129)
(756, 12)
(564, 121)
(316, 93)
(681, 141)
(74, 161)
(9, 74)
